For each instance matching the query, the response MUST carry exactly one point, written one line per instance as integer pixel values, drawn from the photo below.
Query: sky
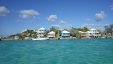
(18, 15)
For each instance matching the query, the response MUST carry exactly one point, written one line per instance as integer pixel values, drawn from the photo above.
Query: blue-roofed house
(65, 34)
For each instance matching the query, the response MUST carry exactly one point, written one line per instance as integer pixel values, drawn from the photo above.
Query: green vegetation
(28, 34)
(108, 30)
(75, 31)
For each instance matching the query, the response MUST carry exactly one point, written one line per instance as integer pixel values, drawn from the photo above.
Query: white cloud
(3, 11)
(63, 22)
(29, 13)
(111, 8)
(100, 16)
(52, 18)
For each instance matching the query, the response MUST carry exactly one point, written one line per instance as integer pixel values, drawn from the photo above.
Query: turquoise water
(79, 51)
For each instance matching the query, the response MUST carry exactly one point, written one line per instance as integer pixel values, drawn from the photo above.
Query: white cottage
(41, 32)
(51, 34)
(94, 33)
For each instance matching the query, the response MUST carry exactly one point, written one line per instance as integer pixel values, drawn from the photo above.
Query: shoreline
(59, 39)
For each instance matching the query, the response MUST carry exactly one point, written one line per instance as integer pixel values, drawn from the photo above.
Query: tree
(85, 29)
(29, 33)
(109, 30)
(46, 33)
(73, 32)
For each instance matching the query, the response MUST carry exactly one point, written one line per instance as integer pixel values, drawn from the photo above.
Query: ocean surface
(78, 51)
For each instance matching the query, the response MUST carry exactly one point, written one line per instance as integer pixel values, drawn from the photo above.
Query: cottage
(92, 33)
(41, 32)
(84, 34)
(65, 34)
(51, 34)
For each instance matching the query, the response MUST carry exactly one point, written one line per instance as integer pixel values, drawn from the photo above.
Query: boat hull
(40, 38)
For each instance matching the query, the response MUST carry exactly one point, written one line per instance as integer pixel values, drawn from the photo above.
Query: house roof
(52, 32)
(42, 28)
(65, 31)
(93, 29)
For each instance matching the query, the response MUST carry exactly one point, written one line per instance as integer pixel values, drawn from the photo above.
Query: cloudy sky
(18, 15)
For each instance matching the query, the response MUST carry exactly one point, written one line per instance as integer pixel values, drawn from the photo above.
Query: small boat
(40, 38)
